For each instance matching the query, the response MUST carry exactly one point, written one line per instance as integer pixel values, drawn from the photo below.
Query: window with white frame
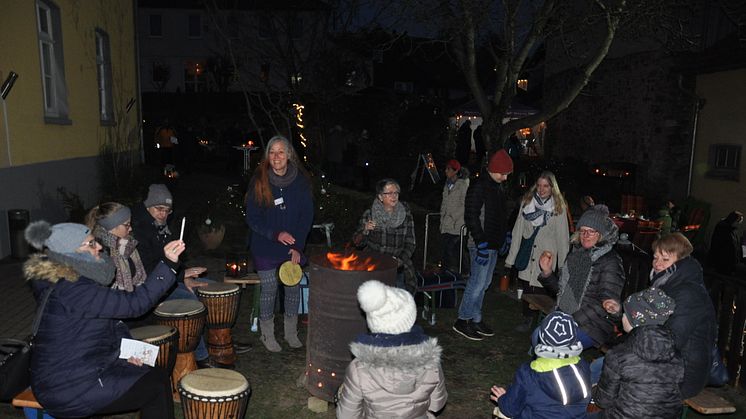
(51, 60)
(724, 161)
(155, 24)
(103, 66)
(194, 26)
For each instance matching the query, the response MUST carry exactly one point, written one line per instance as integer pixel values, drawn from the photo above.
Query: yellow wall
(722, 120)
(33, 140)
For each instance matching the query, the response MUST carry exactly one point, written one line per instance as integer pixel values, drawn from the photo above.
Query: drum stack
(188, 316)
(214, 394)
(221, 301)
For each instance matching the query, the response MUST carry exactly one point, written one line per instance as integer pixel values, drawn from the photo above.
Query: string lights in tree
(299, 123)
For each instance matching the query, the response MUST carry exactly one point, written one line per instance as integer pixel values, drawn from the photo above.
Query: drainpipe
(138, 81)
(699, 103)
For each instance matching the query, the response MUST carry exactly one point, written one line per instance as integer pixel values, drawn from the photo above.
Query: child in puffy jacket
(641, 376)
(554, 385)
(396, 372)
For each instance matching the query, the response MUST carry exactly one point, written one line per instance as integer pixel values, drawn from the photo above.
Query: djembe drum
(221, 301)
(165, 338)
(188, 316)
(214, 393)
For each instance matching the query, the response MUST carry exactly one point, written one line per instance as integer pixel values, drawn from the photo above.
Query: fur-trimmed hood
(40, 267)
(405, 357)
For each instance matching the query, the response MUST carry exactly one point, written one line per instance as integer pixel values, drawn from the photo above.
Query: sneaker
(482, 329)
(466, 329)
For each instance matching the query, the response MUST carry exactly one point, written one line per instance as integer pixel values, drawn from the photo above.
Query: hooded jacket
(693, 323)
(548, 389)
(404, 381)
(75, 370)
(641, 376)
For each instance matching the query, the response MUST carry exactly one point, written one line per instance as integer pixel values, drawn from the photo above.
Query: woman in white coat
(543, 215)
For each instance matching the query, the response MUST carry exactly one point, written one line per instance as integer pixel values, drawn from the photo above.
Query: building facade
(76, 91)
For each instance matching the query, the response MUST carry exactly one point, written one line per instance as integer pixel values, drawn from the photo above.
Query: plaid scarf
(123, 278)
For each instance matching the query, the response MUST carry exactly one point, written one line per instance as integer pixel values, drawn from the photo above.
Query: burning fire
(350, 262)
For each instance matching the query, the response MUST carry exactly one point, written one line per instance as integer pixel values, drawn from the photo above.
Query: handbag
(15, 358)
(524, 252)
(718, 373)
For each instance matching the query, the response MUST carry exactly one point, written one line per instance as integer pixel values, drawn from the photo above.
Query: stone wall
(632, 111)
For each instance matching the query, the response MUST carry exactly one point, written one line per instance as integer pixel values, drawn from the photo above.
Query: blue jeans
(597, 367)
(479, 280)
(181, 292)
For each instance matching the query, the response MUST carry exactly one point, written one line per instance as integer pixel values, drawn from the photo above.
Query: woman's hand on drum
(173, 249)
(286, 238)
(546, 263)
(192, 283)
(194, 272)
(294, 256)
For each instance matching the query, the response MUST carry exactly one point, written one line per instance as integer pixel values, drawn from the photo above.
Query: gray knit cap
(158, 194)
(598, 219)
(64, 238)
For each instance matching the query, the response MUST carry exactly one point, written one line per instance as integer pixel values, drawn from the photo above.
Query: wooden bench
(541, 303)
(708, 403)
(27, 400)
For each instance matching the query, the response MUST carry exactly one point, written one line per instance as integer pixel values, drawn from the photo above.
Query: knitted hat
(597, 218)
(388, 310)
(558, 337)
(454, 164)
(158, 194)
(648, 307)
(118, 217)
(500, 162)
(64, 238)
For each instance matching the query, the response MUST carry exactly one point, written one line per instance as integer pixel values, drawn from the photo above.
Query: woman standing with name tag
(279, 211)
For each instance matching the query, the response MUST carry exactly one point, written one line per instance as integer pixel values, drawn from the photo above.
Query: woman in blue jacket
(75, 365)
(279, 211)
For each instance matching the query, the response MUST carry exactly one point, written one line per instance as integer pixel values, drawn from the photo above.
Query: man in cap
(485, 215)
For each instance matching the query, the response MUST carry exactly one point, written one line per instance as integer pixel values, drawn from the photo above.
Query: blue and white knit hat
(558, 337)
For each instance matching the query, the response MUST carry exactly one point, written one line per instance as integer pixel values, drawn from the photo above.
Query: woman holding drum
(279, 211)
(74, 367)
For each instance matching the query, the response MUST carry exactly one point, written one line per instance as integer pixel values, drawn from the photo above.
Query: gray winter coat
(452, 207)
(554, 237)
(393, 382)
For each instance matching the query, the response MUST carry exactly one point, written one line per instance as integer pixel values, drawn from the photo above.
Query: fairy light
(299, 123)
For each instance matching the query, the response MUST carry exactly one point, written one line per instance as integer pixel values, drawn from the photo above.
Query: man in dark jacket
(725, 247)
(641, 376)
(485, 216)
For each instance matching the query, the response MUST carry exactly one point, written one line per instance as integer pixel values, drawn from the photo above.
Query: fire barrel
(335, 318)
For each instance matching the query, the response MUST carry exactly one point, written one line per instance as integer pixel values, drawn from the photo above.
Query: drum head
(152, 333)
(179, 308)
(214, 382)
(290, 273)
(218, 288)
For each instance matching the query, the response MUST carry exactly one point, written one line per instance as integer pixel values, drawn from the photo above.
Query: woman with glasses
(75, 369)
(388, 227)
(543, 217)
(589, 284)
(111, 225)
(279, 211)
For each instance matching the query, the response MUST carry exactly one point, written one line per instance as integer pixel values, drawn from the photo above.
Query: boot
(291, 331)
(268, 335)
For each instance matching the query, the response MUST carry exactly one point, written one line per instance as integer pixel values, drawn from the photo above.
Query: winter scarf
(100, 271)
(285, 180)
(538, 210)
(660, 278)
(124, 278)
(576, 276)
(385, 219)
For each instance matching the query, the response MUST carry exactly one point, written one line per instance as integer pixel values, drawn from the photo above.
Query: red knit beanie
(454, 164)
(501, 162)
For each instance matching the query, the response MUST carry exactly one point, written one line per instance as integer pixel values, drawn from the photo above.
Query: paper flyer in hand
(146, 352)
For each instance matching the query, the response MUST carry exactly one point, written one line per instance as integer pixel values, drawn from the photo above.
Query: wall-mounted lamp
(8, 84)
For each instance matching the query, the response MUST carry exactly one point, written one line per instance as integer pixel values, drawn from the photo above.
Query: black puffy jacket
(641, 376)
(485, 213)
(692, 323)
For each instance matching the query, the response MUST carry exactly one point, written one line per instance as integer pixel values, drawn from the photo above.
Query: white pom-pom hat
(388, 309)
